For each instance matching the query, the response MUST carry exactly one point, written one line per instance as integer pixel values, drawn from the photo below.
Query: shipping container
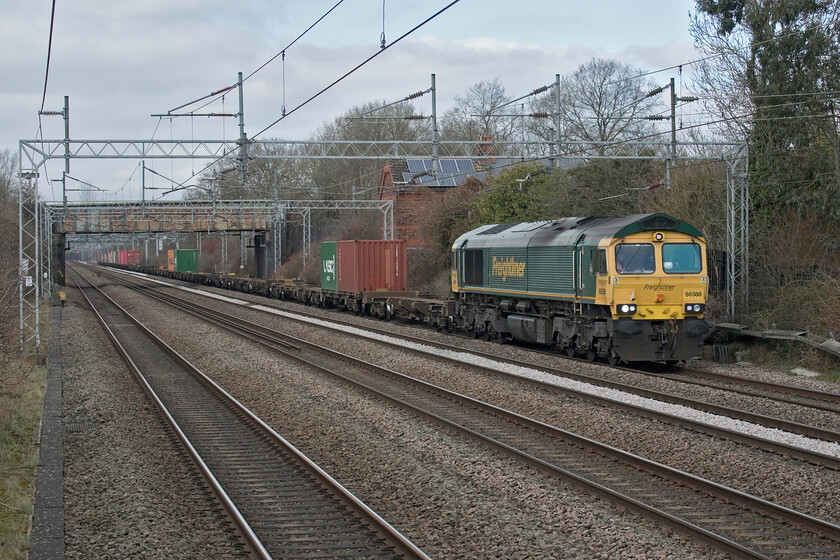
(185, 260)
(170, 260)
(371, 266)
(132, 258)
(328, 266)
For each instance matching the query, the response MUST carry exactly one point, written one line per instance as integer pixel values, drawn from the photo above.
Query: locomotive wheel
(570, 351)
(591, 354)
(612, 358)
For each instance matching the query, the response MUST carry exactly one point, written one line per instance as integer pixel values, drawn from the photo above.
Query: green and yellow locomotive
(629, 288)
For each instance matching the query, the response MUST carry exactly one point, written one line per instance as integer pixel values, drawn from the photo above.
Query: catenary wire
(213, 96)
(673, 67)
(49, 53)
(334, 83)
(547, 87)
(360, 65)
(282, 52)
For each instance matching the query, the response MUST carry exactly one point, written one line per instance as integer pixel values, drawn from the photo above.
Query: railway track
(454, 354)
(743, 525)
(788, 394)
(805, 430)
(820, 400)
(282, 504)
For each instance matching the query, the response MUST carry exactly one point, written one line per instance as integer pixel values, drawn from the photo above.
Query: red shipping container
(132, 258)
(371, 266)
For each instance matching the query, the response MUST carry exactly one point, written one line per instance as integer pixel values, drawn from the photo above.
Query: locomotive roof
(563, 231)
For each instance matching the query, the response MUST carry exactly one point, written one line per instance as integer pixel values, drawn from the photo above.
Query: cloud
(120, 62)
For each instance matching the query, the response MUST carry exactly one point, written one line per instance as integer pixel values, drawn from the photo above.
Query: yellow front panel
(657, 296)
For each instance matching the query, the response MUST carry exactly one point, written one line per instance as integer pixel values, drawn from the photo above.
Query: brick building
(410, 183)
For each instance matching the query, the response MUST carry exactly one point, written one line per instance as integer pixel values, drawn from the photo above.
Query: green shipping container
(186, 260)
(328, 266)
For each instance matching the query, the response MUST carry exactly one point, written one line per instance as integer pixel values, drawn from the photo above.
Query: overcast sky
(120, 62)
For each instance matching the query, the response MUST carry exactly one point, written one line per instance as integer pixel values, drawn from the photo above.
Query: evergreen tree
(783, 54)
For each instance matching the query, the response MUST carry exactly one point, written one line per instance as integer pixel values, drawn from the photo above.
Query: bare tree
(10, 373)
(8, 170)
(474, 117)
(336, 178)
(721, 76)
(602, 101)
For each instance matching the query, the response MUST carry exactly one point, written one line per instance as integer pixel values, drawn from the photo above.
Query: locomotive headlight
(694, 307)
(627, 308)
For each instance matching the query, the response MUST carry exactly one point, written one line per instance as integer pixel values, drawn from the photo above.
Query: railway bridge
(258, 223)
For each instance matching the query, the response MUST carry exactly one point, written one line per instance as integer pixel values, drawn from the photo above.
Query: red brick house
(410, 182)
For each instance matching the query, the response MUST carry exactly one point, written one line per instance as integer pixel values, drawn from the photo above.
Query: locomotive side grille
(551, 270)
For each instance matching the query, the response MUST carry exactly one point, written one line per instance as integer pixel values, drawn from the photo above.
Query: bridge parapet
(164, 217)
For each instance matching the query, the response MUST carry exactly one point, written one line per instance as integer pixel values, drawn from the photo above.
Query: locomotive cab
(658, 294)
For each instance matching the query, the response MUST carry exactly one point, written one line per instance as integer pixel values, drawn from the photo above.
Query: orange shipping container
(371, 266)
(170, 260)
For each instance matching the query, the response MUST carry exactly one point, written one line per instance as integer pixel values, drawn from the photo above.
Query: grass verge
(786, 355)
(22, 386)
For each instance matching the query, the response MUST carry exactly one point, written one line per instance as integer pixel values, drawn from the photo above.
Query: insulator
(657, 91)
(540, 90)
(415, 95)
(539, 115)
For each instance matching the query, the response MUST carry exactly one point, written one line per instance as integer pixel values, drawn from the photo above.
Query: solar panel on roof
(465, 165)
(448, 165)
(451, 172)
(416, 165)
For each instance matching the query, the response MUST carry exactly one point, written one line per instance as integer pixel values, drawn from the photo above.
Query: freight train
(622, 289)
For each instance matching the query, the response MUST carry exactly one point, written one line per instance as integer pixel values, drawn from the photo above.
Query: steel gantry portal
(38, 245)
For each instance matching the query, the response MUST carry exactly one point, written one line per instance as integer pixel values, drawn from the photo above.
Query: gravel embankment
(452, 497)
(129, 491)
(765, 474)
